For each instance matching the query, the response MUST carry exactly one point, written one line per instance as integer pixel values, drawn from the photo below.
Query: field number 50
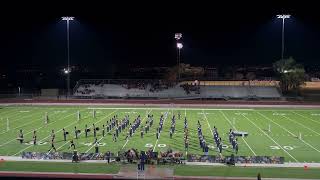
(284, 147)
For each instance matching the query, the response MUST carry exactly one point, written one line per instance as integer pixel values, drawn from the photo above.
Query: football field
(283, 139)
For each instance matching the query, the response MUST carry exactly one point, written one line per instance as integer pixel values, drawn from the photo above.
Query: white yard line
(185, 115)
(237, 130)
(29, 122)
(89, 127)
(288, 131)
(66, 141)
(9, 113)
(125, 143)
(270, 138)
(136, 131)
(98, 139)
(12, 121)
(49, 135)
(94, 145)
(1, 145)
(205, 116)
(165, 117)
(88, 114)
(207, 122)
(300, 124)
(306, 117)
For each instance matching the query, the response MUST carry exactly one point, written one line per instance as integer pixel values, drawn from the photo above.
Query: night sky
(102, 36)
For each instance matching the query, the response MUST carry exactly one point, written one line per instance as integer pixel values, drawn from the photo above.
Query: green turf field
(286, 124)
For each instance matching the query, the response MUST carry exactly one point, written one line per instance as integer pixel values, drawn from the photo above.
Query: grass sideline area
(179, 170)
(59, 167)
(266, 172)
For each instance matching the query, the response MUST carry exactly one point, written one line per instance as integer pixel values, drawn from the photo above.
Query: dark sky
(103, 35)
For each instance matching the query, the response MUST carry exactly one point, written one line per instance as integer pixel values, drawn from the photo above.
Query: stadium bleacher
(140, 89)
(147, 89)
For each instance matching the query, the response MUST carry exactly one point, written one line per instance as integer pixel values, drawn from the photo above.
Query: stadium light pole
(67, 19)
(178, 36)
(283, 17)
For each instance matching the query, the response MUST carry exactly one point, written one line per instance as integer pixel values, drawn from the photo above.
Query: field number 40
(284, 147)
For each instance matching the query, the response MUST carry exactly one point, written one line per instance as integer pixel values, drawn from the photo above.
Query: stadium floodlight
(66, 70)
(178, 37)
(283, 17)
(68, 18)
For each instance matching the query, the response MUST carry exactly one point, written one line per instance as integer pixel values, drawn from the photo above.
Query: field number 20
(284, 147)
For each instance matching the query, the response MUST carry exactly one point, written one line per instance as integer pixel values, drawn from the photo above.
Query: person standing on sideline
(142, 160)
(20, 136)
(96, 146)
(34, 137)
(76, 132)
(108, 156)
(52, 146)
(86, 130)
(72, 145)
(141, 133)
(94, 131)
(64, 134)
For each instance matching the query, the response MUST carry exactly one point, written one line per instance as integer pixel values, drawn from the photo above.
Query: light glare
(66, 71)
(178, 36)
(67, 18)
(283, 16)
